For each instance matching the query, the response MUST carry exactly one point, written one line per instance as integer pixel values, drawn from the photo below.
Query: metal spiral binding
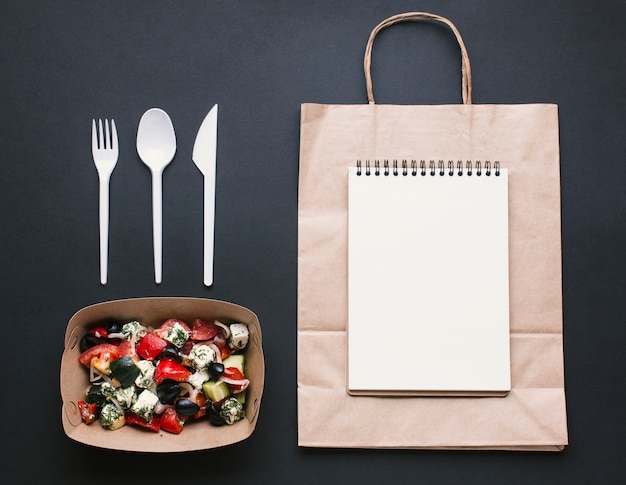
(433, 169)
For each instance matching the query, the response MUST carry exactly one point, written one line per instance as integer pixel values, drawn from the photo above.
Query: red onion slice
(160, 407)
(244, 383)
(218, 353)
(226, 329)
(191, 391)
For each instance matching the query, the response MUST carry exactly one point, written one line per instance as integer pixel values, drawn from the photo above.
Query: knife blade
(204, 156)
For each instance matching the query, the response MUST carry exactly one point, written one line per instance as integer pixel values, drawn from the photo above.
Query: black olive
(113, 327)
(168, 391)
(171, 352)
(89, 340)
(215, 370)
(186, 407)
(215, 418)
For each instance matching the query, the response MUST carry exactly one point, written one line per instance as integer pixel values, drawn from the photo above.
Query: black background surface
(63, 63)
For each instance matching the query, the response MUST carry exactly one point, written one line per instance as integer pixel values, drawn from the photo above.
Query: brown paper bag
(525, 139)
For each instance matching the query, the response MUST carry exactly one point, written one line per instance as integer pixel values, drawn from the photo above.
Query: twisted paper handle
(418, 16)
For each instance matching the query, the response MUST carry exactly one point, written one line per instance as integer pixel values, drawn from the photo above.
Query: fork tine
(94, 136)
(107, 138)
(100, 134)
(113, 136)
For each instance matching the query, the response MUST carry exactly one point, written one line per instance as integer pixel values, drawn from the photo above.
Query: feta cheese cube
(111, 417)
(134, 330)
(238, 336)
(145, 404)
(201, 356)
(125, 396)
(231, 410)
(145, 378)
(198, 378)
(176, 335)
(107, 390)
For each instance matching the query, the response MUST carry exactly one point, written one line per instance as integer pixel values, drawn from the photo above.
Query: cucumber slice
(94, 394)
(125, 370)
(241, 396)
(215, 391)
(236, 360)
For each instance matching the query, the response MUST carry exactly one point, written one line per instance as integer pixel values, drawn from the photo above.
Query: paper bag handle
(418, 16)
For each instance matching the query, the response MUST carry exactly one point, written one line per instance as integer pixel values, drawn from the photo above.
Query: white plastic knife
(204, 156)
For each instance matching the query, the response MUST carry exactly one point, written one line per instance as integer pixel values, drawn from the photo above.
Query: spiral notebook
(428, 283)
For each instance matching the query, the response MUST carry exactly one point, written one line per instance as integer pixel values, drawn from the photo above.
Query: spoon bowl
(156, 146)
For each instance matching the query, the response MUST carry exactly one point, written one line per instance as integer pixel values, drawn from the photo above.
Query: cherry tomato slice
(99, 332)
(233, 373)
(99, 351)
(201, 330)
(152, 425)
(171, 422)
(126, 348)
(167, 324)
(150, 346)
(88, 411)
(170, 369)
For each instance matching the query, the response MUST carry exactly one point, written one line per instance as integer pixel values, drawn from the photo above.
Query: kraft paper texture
(525, 139)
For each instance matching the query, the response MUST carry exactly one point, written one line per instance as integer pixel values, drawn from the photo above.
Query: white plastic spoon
(156, 146)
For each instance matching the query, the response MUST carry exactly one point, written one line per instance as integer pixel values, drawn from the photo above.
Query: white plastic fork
(105, 150)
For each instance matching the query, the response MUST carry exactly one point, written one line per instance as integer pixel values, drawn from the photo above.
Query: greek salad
(163, 378)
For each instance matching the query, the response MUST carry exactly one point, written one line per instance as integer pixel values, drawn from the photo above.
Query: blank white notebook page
(428, 284)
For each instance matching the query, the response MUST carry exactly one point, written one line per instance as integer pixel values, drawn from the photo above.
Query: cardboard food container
(151, 312)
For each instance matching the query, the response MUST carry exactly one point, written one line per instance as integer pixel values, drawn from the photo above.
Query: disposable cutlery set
(156, 146)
